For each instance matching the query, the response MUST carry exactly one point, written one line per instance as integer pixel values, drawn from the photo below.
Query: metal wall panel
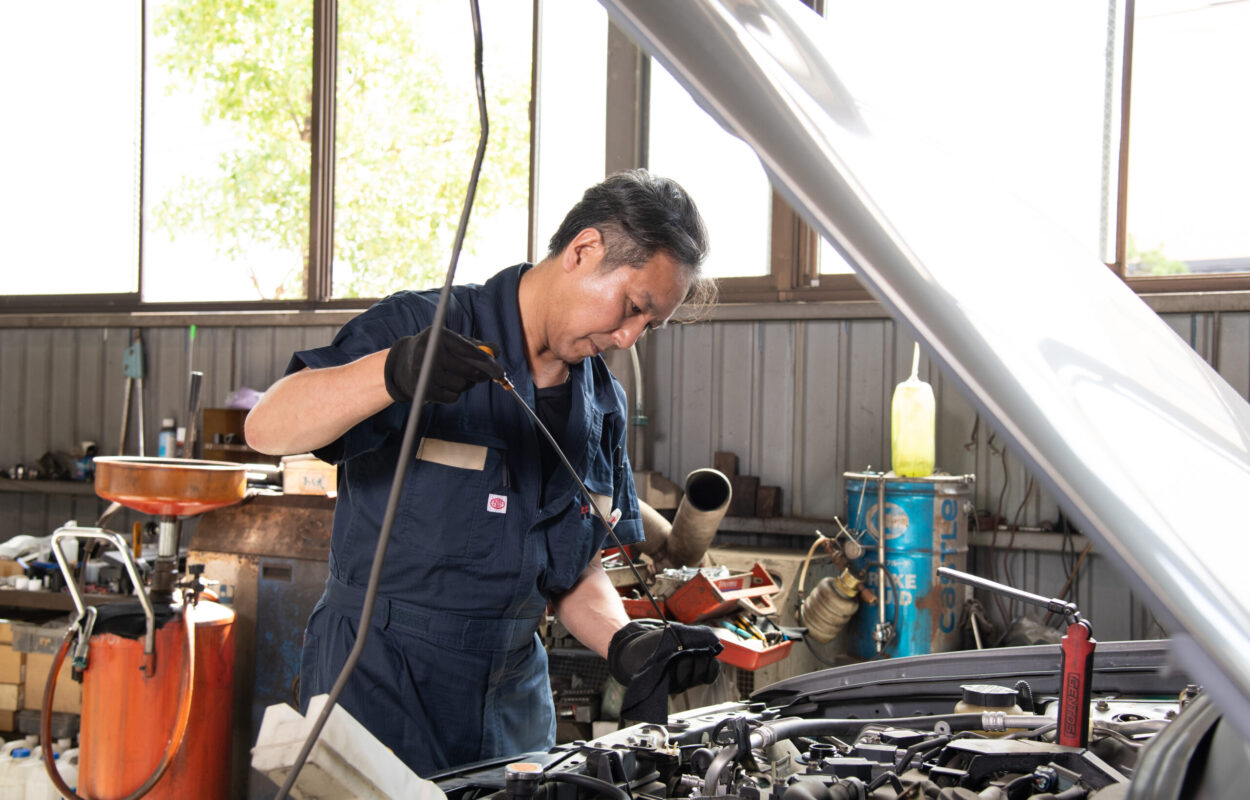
(799, 401)
(62, 386)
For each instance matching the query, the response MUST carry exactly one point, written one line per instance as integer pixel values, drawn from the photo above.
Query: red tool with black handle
(1076, 657)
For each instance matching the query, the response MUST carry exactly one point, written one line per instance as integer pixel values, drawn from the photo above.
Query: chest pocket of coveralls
(455, 498)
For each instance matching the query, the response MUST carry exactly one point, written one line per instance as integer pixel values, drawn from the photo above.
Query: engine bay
(898, 728)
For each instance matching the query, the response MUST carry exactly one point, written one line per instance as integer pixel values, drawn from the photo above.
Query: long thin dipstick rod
(590, 501)
(1054, 605)
(410, 430)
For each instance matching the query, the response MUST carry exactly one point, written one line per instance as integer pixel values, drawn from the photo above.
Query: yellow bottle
(912, 420)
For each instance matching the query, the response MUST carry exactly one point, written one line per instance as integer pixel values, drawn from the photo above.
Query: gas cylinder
(129, 715)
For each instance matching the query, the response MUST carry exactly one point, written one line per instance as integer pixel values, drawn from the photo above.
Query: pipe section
(686, 540)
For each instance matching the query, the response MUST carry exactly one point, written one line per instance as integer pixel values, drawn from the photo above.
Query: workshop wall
(802, 401)
(62, 386)
(799, 401)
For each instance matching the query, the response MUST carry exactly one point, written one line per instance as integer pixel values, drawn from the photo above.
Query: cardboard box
(6, 632)
(12, 665)
(307, 474)
(68, 697)
(10, 696)
(8, 721)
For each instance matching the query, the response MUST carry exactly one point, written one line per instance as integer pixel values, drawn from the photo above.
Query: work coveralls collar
(590, 402)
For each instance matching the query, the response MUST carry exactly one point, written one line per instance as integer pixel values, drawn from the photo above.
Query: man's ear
(586, 248)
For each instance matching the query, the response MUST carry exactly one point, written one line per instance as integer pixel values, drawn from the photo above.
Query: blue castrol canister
(925, 528)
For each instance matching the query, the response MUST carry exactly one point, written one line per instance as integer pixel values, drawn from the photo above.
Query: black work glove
(458, 364)
(647, 662)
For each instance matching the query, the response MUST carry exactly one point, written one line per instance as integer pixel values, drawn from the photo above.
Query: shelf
(232, 448)
(83, 488)
(791, 526)
(54, 601)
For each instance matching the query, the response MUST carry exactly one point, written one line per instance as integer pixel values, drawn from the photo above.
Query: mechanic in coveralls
(490, 527)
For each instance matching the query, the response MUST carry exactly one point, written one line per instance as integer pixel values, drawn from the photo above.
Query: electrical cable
(410, 429)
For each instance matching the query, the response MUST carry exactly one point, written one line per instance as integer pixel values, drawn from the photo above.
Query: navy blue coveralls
(453, 671)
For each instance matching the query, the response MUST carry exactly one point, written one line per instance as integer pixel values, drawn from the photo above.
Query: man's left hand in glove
(649, 664)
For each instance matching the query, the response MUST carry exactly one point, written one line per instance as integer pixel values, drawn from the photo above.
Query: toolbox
(750, 654)
(641, 608)
(702, 598)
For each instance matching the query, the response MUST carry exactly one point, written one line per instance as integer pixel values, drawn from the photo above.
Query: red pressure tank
(129, 716)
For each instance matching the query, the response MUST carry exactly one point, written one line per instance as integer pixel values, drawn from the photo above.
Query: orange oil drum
(128, 717)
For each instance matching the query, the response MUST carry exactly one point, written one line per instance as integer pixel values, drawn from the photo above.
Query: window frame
(317, 278)
(793, 269)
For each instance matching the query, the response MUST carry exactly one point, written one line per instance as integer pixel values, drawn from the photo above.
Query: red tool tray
(641, 608)
(744, 656)
(702, 598)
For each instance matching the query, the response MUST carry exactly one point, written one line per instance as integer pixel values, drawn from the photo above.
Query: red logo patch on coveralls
(497, 504)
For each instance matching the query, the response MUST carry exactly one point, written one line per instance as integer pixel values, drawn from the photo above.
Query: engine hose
(175, 738)
(920, 747)
(588, 782)
(772, 732)
(882, 778)
(726, 755)
(1025, 694)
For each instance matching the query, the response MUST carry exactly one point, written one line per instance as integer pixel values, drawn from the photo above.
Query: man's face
(597, 310)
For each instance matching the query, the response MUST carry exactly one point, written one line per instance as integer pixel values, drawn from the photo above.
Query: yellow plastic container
(912, 421)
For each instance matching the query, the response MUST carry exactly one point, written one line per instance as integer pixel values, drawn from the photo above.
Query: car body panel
(1140, 441)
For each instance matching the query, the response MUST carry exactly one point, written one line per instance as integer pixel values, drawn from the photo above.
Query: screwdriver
(508, 386)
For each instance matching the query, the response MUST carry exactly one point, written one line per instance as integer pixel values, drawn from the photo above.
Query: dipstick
(508, 386)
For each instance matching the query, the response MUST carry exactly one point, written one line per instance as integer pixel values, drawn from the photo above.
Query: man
(490, 528)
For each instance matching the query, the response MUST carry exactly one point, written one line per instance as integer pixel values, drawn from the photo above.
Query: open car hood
(1139, 440)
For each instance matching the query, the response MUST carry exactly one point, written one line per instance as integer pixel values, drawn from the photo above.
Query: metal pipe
(67, 532)
(698, 516)
(656, 530)
(881, 561)
(1052, 604)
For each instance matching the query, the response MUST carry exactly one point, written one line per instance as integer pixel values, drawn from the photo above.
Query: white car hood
(1140, 441)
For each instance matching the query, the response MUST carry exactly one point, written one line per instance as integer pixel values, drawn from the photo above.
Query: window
(407, 129)
(721, 173)
(227, 132)
(570, 100)
(249, 152)
(1189, 163)
(69, 199)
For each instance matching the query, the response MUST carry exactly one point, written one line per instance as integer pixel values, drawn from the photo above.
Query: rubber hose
(588, 782)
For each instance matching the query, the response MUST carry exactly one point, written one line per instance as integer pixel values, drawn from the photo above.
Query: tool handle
(193, 413)
(1051, 604)
(1076, 676)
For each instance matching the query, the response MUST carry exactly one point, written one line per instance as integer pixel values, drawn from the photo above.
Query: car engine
(898, 728)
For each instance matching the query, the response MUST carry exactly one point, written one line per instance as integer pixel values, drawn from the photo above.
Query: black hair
(638, 214)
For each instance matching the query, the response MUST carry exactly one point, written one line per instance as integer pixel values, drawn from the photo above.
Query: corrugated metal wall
(799, 401)
(63, 386)
(802, 401)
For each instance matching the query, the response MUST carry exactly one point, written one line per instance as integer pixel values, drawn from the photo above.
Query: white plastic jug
(68, 767)
(913, 416)
(12, 779)
(28, 742)
(35, 777)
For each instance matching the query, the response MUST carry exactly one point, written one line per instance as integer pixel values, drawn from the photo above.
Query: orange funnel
(167, 487)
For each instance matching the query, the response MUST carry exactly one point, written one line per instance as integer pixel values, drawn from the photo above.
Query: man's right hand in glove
(458, 365)
(651, 666)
